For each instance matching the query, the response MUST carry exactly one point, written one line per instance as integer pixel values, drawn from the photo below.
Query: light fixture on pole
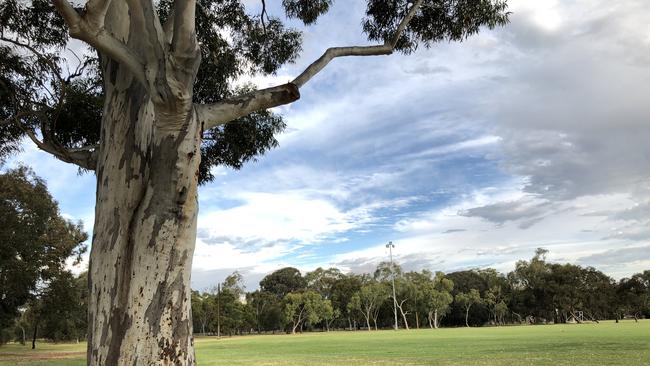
(390, 247)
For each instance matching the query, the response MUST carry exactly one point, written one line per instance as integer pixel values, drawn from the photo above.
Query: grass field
(627, 343)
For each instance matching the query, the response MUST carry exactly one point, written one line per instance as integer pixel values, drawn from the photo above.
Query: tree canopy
(35, 240)
(43, 93)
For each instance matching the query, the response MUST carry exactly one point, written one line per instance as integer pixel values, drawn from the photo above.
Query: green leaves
(35, 241)
(306, 10)
(436, 21)
(234, 44)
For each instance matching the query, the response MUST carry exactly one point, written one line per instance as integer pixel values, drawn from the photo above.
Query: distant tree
(437, 298)
(267, 310)
(467, 300)
(634, 295)
(420, 280)
(235, 284)
(406, 293)
(465, 281)
(500, 311)
(304, 307)
(283, 281)
(642, 281)
(35, 240)
(368, 301)
(385, 271)
(62, 313)
(232, 312)
(204, 310)
(322, 280)
(494, 300)
(342, 292)
(328, 314)
(531, 289)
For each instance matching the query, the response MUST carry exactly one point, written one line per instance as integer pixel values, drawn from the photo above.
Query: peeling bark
(144, 236)
(146, 210)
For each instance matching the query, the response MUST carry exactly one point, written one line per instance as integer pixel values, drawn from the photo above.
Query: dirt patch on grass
(40, 355)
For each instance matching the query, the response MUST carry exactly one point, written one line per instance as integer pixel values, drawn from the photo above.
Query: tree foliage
(40, 91)
(283, 281)
(35, 240)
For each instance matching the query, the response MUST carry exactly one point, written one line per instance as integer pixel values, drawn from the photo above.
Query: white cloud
(273, 217)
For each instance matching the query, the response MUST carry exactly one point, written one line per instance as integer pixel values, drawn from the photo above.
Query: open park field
(607, 343)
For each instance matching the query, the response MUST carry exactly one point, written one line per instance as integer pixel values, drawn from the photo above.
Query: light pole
(390, 247)
(218, 310)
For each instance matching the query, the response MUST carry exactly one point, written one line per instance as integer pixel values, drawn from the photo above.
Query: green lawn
(627, 343)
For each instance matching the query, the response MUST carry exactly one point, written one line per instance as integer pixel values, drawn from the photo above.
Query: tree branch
(335, 52)
(230, 109)
(83, 157)
(184, 39)
(96, 11)
(89, 28)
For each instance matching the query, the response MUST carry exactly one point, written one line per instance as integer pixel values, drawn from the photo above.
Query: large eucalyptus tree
(154, 111)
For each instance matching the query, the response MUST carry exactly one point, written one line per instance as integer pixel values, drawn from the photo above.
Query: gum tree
(155, 111)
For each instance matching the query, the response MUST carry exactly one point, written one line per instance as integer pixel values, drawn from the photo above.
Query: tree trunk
(435, 319)
(417, 321)
(368, 322)
(145, 215)
(34, 334)
(406, 323)
(467, 317)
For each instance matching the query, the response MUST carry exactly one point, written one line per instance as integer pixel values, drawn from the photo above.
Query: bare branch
(231, 109)
(91, 31)
(332, 53)
(263, 14)
(84, 157)
(335, 52)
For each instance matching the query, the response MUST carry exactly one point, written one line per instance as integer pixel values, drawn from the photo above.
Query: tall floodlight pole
(218, 310)
(390, 247)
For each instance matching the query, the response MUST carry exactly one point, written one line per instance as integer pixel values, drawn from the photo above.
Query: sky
(464, 155)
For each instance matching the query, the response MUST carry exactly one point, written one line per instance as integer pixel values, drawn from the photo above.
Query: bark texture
(145, 216)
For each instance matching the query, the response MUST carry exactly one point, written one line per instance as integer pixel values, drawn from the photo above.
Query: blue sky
(464, 155)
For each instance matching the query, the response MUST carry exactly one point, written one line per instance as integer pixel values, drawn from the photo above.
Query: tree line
(41, 298)
(535, 292)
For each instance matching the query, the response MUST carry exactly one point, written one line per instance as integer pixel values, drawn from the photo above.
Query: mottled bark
(435, 319)
(144, 235)
(146, 210)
